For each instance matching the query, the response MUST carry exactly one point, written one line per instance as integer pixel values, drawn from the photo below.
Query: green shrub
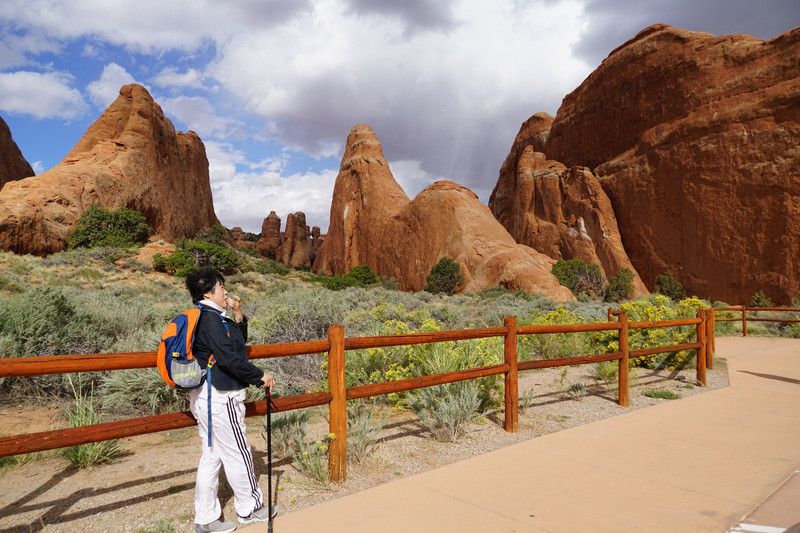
(359, 276)
(268, 266)
(760, 300)
(669, 286)
(143, 392)
(46, 321)
(363, 275)
(579, 276)
(447, 409)
(619, 286)
(99, 227)
(10, 286)
(216, 234)
(661, 393)
(192, 254)
(445, 277)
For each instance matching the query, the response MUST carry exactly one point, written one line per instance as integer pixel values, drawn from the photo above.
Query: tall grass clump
(288, 431)
(606, 372)
(364, 424)
(84, 413)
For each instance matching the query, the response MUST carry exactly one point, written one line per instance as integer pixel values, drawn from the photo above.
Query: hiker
(225, 338)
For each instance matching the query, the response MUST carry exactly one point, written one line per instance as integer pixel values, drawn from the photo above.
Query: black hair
(202, 281)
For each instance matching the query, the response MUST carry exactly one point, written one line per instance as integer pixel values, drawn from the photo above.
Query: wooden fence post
(710, 338)
(624, 392)
(337, 460)
(744, 321)
(701, 352)
(511, 378)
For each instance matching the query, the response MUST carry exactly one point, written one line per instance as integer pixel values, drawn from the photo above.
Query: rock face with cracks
(296, 247)
(696, 140)
(559, 211)
(373, 222)
(131, 157)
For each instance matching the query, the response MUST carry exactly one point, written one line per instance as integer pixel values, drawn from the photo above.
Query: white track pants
(229, 449)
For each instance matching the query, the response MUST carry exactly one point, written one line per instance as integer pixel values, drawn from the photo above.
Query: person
(225, 338)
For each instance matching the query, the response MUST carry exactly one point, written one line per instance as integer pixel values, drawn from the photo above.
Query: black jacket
(232, 370)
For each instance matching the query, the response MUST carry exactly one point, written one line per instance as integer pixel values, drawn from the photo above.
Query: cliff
(129, 157)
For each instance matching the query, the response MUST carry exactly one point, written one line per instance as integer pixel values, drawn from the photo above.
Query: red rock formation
(240, 239)
(297, 246)
(696, 140)
(560, 212)
(270, 239)
(130, 157)
(317, 238)
(12, 165)
(297, 249)
(373, 222)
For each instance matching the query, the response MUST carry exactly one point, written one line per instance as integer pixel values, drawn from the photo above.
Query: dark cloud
(415, 14)
(450, 142)
(269, 12)
(613, 22)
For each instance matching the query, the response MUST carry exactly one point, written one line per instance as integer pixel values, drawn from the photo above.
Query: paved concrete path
(715, 462)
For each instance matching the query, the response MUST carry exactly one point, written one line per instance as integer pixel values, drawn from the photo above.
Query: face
(218, 295)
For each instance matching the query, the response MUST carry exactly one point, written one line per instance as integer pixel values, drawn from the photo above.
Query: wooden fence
(743, 309)
(336, 346)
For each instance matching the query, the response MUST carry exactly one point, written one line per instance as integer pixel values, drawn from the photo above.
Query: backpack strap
(211, 362)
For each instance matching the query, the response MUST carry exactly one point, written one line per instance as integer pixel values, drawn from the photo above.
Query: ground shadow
(772, 376)
(58, 510)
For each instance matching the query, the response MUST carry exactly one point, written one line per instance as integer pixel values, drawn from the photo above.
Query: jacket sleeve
(224, 351)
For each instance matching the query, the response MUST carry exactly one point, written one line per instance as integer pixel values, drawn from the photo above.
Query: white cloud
(410, 176)
(148, 26)
(38, 167)
(198, 114)
(106, 89)
(170, 77)
(42, 95)
(245, 199)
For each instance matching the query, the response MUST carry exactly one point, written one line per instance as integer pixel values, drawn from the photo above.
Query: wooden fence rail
(336, 347)
(743, 309)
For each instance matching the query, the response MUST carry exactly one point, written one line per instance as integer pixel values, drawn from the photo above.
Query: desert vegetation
(104, 300)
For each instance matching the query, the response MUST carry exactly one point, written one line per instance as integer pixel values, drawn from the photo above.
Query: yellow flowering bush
(312, 459)
(655, 308)
(552, 345)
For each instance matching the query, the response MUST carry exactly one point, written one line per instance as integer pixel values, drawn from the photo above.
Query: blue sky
(273, 86)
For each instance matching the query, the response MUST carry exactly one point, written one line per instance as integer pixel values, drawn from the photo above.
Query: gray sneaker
(261, 514)
(215, 527)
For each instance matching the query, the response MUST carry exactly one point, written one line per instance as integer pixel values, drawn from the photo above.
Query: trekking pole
(272, 510)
